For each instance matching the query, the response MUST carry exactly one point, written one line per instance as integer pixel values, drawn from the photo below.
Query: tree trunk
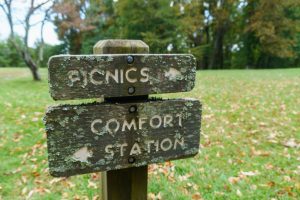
(35, 73)
(227, 57)
(32, 66)
(28, 61)
(217, 59)
(249, 49)
(206, 54)
(250, 40)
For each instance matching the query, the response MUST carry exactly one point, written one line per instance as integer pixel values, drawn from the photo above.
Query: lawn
(250, 141)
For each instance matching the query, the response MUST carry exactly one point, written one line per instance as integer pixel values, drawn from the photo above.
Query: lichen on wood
(94, 76)
(107, 136)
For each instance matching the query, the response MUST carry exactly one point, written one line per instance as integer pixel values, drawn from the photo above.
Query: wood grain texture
(125, 184)
(80, 141)
(94, 76)
(118, 46)
(130, 183)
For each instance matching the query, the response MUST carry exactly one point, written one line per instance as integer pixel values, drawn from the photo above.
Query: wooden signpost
(128, 131)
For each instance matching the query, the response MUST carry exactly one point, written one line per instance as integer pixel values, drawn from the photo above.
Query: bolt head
(131, 159)
(130, 59)
(131, 90)
(132, 108)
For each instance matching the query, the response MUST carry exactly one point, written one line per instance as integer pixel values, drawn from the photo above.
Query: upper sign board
(116, 75)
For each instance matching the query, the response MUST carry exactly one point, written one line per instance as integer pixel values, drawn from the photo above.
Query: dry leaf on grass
(152, 196)
(242, 175)
(239, 193)
(92, 184)
(291, 143)
(196, 196)
(234, 180)
(97, 197)
(250, 173)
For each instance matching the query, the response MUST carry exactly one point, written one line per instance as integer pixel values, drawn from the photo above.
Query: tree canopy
(221, 34)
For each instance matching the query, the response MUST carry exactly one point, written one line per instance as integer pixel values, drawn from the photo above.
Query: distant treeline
(222, 34)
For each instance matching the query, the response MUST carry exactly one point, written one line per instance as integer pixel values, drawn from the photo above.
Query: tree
(9, 56)
(23, 48)
(222, 12)
(155, 22)
(196, 35)
(73, 19)
(271, 32)
(220, 33)
(104, 13)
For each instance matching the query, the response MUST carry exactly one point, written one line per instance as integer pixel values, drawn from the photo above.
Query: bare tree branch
(46, 18)
(30, 12)
(3, 8)
(6, 7)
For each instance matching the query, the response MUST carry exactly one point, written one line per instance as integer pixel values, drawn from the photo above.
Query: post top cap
(118, 46)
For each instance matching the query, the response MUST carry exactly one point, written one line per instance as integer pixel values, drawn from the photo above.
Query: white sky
(19, 10)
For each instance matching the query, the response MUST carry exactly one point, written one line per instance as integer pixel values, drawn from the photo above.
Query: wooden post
(130, 183)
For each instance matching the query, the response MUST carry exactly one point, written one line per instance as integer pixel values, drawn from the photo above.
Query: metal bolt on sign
(121, 136)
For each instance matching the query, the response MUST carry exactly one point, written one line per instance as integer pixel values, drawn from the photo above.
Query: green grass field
(250, 141)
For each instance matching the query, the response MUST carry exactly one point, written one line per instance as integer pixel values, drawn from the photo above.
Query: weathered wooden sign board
(107, 136)
(93, 76)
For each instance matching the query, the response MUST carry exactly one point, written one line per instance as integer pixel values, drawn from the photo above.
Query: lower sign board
(105, 136)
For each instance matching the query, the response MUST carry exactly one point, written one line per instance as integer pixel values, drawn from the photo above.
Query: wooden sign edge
(63, 174)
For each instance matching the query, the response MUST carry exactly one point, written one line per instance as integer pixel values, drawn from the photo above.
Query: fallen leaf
(234, 180)
(55, 180)
(96, 176)
(16, 170)
(239, 193)
(184, 177)
(97, 197)
(35, 174)
(269, 166)
(297, 186)
(272, 136)
(65, 196)
(255, 152)
(227, 188)
(92, 184)
(24, 179)
(250, 173)
(196, 196)
(291, 143)
(35, 119)
(253, 187)
(217, 193)
(152, 196)
(30, 194)
(262, 124)
(24, 191)
(287, 178)
(271, 184)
